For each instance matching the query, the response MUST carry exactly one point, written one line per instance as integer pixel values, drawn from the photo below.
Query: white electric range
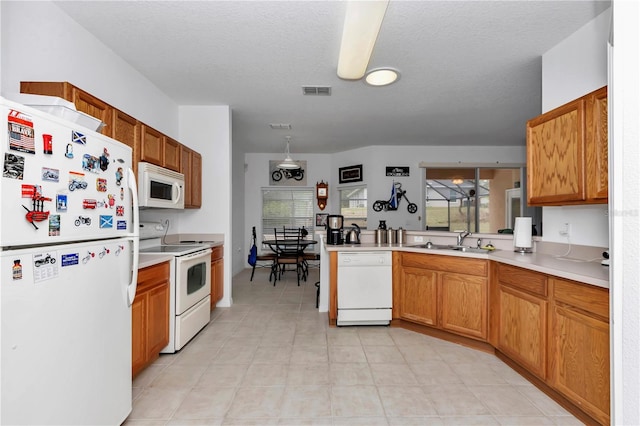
(190, 284)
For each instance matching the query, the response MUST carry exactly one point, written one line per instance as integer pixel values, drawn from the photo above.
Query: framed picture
(350, 174)
(397, 171)
(321, 219)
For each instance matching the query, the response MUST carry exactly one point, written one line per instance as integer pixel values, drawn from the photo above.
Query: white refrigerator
(69, 260)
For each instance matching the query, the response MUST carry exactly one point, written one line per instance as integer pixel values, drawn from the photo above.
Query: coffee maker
(335, 229)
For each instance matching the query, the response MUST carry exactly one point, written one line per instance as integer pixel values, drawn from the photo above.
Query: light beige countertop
(149, 259)
(589, 272)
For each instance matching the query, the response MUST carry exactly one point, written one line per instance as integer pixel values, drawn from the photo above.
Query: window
(292, 208)
(476, 199)
(353, 205)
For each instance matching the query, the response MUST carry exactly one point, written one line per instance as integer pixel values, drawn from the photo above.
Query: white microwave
(159, 187)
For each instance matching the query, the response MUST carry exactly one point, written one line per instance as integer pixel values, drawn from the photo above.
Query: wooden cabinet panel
(555, 150)
(419, 296)
(150, 316)
(567, 153)
(191, 167)
(126, 129)
(580, 361)
(436, 262)
(597, 147)
(523, 329)
(196, 180)
(217, 275)
(138, 336)
(172, 151)
(158, 335)
(464, 304)
(93, 106)
(185, 169)
(523, 279)
(151, 145)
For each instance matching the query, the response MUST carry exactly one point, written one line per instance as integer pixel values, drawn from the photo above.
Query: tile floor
(272, 359)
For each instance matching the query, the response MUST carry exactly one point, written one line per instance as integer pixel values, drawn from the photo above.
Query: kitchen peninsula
(544, 314)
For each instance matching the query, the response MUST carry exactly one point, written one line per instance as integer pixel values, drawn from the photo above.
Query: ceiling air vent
(280, 126)
(316, 90)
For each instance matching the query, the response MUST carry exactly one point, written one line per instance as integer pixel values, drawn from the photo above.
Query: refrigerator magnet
(54, 225)
(61, 203)
(47, 144)
(101, 185)
(78, 137)
(51, 175)
(13, 166)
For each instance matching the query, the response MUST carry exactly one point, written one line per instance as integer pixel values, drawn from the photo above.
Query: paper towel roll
(522, 234)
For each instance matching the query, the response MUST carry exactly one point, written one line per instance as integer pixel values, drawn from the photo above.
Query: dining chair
(288, 251)
(262, 257)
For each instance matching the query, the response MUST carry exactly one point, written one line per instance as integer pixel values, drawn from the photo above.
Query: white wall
(625, 213)
(374, 159)
(41, 43)
(571, 69)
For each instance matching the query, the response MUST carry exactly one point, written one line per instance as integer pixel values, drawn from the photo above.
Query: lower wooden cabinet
(449, 293)
(579, 346)
(522, 317)
(217, 275)
(150, 316)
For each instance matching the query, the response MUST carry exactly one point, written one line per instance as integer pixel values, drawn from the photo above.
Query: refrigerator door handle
(131, 182)
(133, 285)
(132, 288)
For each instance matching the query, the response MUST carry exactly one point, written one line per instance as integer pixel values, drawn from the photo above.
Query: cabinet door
(126, 129)
(555, 155)
(158, 319)
(138, 333)
(597, 147)
(185, 169)
(218, 272)
(523, 329)
(151, 145)
(464, 304)
(580, 360)
(88, 104)
(196, 179)
(171, 159)
(419, 296)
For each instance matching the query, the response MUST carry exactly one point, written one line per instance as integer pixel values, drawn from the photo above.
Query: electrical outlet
(418, 239)
(565, 229)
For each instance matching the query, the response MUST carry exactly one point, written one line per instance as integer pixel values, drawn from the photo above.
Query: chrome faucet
(461, 236)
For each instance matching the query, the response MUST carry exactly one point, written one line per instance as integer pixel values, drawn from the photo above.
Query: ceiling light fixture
(382, 76)
(457, 181)
(288, 162)
(361, 27)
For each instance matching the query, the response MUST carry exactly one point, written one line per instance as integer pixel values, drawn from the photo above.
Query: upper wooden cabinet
(567, 153)
(83, 101)
(191, 167)
(148, 144)
(172, 150)
(126, 129)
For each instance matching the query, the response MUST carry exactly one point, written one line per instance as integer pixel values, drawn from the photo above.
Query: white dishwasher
(365, 293)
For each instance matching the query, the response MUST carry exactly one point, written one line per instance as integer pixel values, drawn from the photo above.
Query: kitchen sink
(464, 249)
(431, 246)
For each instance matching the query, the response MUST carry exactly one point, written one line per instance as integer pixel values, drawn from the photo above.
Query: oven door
(193, 279)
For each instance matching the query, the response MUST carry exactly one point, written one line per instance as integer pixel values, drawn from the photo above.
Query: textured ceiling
(470, 70)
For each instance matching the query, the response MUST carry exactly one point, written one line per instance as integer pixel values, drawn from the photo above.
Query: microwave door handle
(178, 192)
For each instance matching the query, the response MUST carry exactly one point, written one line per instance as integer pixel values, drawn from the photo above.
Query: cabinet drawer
(152, 276)
(522, 279)
(217, 252)
(583, 296)
(456, 264)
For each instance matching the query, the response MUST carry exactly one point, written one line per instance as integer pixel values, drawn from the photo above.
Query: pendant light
(288, 162)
